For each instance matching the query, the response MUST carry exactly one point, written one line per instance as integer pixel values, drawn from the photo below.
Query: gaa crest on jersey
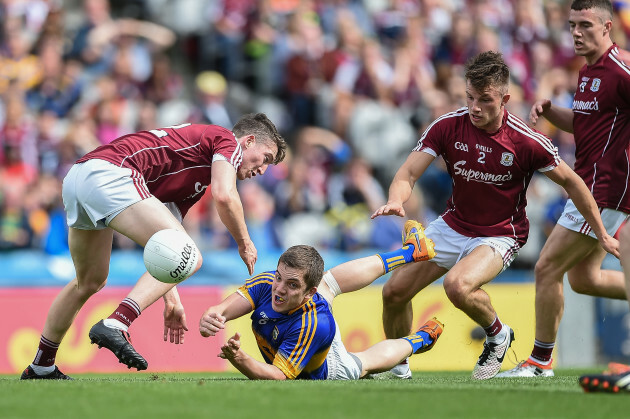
(507, 159)
(275, 333)
(595, 84)
(583, 84)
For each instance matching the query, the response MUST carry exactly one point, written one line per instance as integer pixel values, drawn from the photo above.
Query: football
(170, 256)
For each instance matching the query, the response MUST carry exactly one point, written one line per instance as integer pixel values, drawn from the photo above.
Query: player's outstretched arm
(585, 203)
(214, 318)
(230, 210)
(248, 366)
(403, 183)
(558, 116)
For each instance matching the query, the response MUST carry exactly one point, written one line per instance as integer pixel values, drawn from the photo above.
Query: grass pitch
(208, 395)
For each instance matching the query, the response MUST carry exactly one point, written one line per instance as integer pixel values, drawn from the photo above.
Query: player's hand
(391, 208)
(538, 108)
(610, 244)
(232, 347)
(210, 324)
(174, 323)
(249, 254)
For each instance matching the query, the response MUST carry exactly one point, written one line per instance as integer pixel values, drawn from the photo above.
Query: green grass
(229, 396)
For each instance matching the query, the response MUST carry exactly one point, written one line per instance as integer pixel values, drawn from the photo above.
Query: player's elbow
(224, 196)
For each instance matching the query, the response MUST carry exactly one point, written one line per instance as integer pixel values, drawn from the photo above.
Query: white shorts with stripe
(342, 365)
(574, 221)
(450, 246)
(96, 191)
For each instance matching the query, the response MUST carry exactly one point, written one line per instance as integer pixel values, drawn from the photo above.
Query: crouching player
(293, 322)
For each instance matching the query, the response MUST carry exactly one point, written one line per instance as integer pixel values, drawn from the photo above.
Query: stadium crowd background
(350, 84)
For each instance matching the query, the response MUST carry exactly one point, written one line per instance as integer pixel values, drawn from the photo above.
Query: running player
(292, 318)
(138, 185)
(599, 121)
(491, 156)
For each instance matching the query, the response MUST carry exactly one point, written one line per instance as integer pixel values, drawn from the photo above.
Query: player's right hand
(538, 108)
(249, 254)
(210, 324)
(391, 208)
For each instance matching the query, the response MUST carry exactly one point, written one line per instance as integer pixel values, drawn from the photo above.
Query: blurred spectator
(212, 92)
(18, 66)
(353, 84)
(354, 194)
(60, 87)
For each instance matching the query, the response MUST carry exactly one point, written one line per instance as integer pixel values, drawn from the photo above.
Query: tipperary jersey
(296, 342)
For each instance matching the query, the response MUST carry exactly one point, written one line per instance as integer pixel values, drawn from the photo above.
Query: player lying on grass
(292, 316)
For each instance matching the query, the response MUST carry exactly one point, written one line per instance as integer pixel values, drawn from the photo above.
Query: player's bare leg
(359, 273)
(398, 291)
(581, 256)
(563, 252)
(587, 277)
(138, 222)
(91, 251)
(388, 353)
(463, 287)
(463, 283)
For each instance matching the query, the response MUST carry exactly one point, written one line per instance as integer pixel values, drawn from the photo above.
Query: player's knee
(456, 291)
(582, 284)
(394, 297)
(544, 271)
(90, 285)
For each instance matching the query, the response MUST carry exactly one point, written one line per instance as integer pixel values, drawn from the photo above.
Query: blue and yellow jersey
(296, 342)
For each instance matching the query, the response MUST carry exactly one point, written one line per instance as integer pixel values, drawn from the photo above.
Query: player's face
(289, 291)
(257, 156)
(485, 108)
(591, 33)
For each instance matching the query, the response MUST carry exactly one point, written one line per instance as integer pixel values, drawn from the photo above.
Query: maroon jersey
(490, 172)
(175, 162)
(601, 127)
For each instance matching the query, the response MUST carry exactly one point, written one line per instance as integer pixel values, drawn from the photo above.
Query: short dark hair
(263, 129)
(603, 5)
(307, 260)
(487, 69)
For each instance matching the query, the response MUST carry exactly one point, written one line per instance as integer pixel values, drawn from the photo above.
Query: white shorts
(450, 246)
(574, 221)
(342, 365)
(96, 191)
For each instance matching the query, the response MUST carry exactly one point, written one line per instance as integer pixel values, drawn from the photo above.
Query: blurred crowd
(351, 85)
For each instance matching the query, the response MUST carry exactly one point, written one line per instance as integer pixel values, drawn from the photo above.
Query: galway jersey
(601, 128)
(490, 172)
(175, 162)
(296, 342)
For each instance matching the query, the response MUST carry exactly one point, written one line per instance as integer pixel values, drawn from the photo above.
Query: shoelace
(487, 349)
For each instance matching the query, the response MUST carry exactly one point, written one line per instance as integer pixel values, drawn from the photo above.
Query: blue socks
(394, 259)
(418, 340)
